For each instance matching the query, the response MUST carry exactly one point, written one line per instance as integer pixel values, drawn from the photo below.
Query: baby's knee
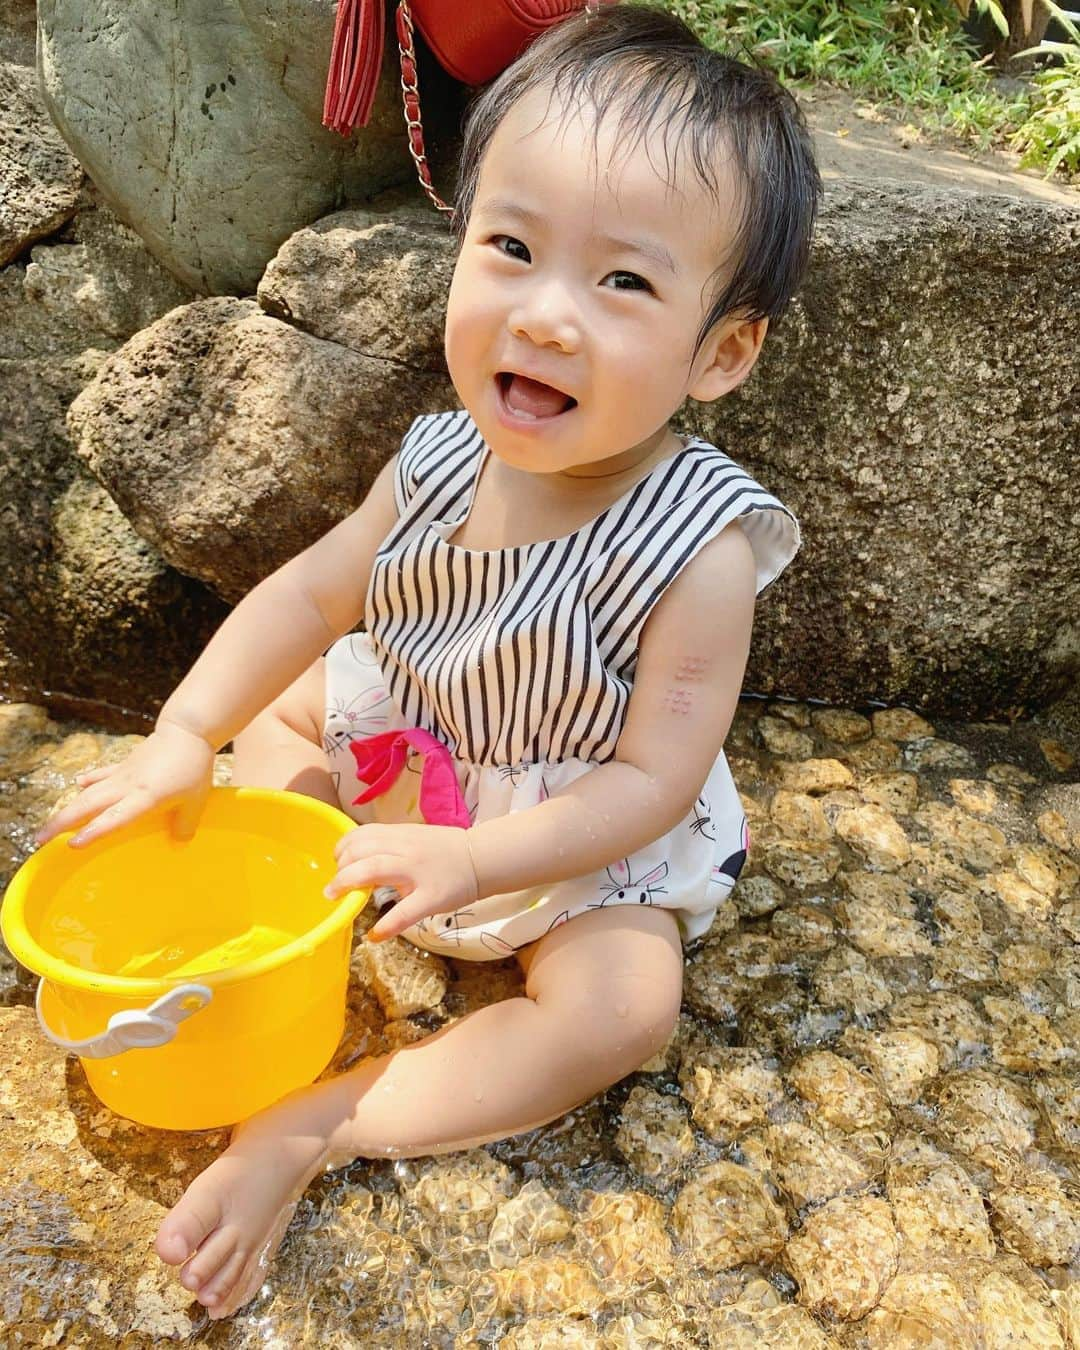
(628, 1019)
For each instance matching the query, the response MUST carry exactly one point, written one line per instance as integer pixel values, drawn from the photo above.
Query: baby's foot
(231, 1219)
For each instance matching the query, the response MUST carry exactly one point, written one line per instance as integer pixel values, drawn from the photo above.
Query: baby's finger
(84, 807)
(119, 813)
(378, 870)
(91, 776)
(398, 917)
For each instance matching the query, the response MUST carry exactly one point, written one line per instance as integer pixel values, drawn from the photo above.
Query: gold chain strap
(410, 99)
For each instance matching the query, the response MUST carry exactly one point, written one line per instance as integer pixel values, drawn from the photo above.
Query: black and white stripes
(527, 653)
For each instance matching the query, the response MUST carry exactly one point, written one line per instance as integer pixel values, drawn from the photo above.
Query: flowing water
(865, 1131)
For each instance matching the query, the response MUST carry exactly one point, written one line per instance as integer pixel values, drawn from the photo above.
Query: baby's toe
(186, 1227)
(215, 1292)
(247, 1285)
(209, 1260)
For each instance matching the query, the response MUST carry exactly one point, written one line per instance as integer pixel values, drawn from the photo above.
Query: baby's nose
(547, 317)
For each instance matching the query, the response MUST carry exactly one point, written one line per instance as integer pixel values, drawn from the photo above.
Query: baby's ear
(727, 356)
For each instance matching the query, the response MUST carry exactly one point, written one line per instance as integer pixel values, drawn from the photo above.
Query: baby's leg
(283, 746)
(602, 995)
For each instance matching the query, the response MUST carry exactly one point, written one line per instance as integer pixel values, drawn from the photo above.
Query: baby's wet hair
(648, 68)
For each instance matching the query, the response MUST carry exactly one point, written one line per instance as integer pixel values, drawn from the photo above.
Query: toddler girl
(557, 593)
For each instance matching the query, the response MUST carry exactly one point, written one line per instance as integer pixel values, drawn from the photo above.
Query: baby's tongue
(530, 396)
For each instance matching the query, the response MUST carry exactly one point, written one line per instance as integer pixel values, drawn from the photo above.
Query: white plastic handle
(135, 1028)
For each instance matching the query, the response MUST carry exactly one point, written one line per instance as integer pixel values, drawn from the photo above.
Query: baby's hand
(173, 767)
(429, 865)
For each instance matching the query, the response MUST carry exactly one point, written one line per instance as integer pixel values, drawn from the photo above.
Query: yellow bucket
(197, 981)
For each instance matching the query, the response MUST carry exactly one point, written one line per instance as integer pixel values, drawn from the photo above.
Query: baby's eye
(628, 281)
(506, 243)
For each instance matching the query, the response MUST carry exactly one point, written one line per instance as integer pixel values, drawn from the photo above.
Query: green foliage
(910, 53)
(1050, 137)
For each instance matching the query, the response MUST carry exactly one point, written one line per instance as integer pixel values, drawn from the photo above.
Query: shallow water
(865, 1132)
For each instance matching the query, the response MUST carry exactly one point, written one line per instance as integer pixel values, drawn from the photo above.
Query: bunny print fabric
(519, 663)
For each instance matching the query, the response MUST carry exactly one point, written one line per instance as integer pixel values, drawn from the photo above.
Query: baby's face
(588, 277)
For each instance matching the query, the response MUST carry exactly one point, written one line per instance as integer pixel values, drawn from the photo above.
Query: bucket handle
(134, 1028)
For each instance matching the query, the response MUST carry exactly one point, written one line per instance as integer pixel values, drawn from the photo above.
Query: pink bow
(380, 759)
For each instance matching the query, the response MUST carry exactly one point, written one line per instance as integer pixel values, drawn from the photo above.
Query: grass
(912, 56)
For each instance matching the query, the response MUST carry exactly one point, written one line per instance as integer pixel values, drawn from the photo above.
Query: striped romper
(520, 662)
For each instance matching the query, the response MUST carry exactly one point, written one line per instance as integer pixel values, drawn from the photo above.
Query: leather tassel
(355, 60)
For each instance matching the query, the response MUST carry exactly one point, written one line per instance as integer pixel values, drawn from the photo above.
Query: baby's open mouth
(531, 399)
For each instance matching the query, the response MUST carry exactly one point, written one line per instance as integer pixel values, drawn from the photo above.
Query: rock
(902, 1061)
(799, 815)
(462, 1194)
(840, 725)
(404, 978)
(977, 798)
(531, 1219)
(1039, 1220)
(541, 1285)
(876, 835)
(1023, 1041)
(873, 756)
(878, 916)
(815, 775)
(90, 610)
(84, 1194)
(897, 793)
(758, 1320)
(801, 862)
(845, 979)
(625, 1237)
(1010, 1316)
(757, 896)
(969, 842)
(39, 178)
(929, 753)
(798, 714)
(838, 1092)
(209, 143)
(900, 724)
(948, 1020)
(806, 928)
(725, 1217)
(781, 739)
(923, 1309)
(1047, 869)
(843, 1256)
(1022, 899)
(232, 440)
(653, 1134)
(985, 1116)
(809, 1168)
(937, 1207)
(1010, 775)
(1057, 756)
(729, 1089)
(1060, 1102)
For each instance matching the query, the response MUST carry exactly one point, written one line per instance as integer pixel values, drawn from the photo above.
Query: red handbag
(473, 40)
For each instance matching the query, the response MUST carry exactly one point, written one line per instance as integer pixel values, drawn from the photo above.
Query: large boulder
(917, 408)
(201, 124)
(88, 610)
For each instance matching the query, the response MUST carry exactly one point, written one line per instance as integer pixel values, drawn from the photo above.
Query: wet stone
(815, 776)
(1060, 1101)
(1022, 900)
(923, 1309)
(540, 1285)
(759, 1320)
(843, 1256)
(838, 1092)
(982, 1115)
(1057, 756)
(626, 1241)
(725, 1217)
(1024, 1041)
(840, 725)
(779, 737)
(876, 835)
(404, 979)
(1047, 869)
(758, 895)
(1039, 1220)
(1010, 1316)
(654, 1135)
(976, 797)
(900, 724)
(897, 793)
(801, 862)
(808, 1168)
(798, 714)
(805, 927)
(902, 1061)
(938, 1209)
(799, 815)
(729, 1089)
(967, 841)
(873, 756)
(949, 1020)
(878, 915)
(846, 979)
(1010, 775)
(1054, 828)
(531, 1219)
(930, 753)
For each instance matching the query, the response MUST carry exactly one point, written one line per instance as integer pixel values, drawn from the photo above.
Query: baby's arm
(270, 638)
(691, 662)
